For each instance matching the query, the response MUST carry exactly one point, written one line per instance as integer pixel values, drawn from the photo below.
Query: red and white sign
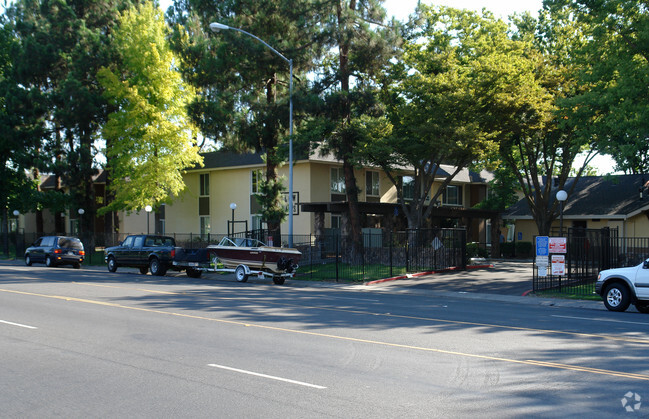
(557, 244)
(558, 265)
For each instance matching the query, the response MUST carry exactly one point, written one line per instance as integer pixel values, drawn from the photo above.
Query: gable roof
(227, 159)
(608, 197)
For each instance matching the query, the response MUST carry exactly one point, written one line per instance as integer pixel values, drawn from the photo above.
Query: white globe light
(562, 195)
(148, 208)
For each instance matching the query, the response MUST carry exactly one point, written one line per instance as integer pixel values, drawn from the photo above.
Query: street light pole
(148, 210)
(561, 197)
(233, 206)
(81, 211)
(215, 27)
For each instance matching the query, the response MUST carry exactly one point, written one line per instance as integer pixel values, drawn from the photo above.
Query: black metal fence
(383, 254)
(588, 252)
(326, 257)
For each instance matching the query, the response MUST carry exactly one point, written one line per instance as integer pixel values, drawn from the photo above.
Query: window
(372, 183)
(204, 185)
(74, 226)
(128, 242)
(256, 177)
(335, 221)
(408, 185)
(257, 222)
(337, 180)
(139, 241)
(206, 226)
(161, 219)
(452, 195)
(204, 195)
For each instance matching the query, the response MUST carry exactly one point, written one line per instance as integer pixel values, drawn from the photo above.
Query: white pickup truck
(620, 287)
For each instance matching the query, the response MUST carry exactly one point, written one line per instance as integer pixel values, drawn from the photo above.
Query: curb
(415, 275)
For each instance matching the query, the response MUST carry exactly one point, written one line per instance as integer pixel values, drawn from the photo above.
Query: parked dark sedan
(56, 250)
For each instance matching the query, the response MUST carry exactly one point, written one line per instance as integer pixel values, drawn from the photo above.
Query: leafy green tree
(61, 46)
(522, 88)
(243, 100)
(432, 107)
(361, 43)
(614, 65)
(151, 138)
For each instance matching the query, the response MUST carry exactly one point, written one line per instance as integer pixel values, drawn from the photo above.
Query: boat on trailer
(236, 251)
(243, 257)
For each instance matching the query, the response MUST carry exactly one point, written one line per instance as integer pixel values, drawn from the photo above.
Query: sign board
(542, 260)
(557, 244)
(558, 265)
(542, 246)
(542, 270)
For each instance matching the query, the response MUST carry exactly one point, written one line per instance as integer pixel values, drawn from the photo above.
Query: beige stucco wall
(637, 226)
(135, 222)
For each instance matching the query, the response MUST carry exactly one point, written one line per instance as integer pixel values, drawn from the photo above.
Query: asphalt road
(87, 343)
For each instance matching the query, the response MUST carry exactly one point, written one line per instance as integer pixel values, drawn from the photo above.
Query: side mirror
(645, 265)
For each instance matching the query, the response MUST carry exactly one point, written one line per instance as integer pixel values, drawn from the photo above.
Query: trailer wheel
(194, 273)
(279, 280)
(240, 274)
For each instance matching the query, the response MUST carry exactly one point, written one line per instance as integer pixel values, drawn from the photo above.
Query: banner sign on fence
(558, 265)
(557, 244)
(542, 246)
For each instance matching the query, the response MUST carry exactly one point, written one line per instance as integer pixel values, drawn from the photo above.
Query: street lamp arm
(215, 27)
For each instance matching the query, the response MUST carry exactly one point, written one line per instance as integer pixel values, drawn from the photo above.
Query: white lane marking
(352, 298)
(600, 320)
(18, 324)
(266, 376)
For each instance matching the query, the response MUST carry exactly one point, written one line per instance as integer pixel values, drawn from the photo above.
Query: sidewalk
(505, 282)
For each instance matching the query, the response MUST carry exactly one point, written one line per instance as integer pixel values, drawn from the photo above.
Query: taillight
(173, 253)
(57, 251)
(82, 252)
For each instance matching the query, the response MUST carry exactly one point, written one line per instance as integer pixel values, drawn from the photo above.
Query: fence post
(391, 275)
(463, 249)
(337, 251)
(407, 253)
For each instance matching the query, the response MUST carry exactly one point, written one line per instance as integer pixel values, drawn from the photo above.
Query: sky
(502, 8)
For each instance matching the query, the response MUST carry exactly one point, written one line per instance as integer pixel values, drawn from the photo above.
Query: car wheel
(194, 273)
(28, 260)
(279, 280)
(144, 270)
(240, 274)
(156, 267)
(77, 265)
(49, 262)
(642, 306)
(111, 264)
(617, 297)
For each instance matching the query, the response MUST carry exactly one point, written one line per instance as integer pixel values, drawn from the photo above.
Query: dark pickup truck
(150, 253)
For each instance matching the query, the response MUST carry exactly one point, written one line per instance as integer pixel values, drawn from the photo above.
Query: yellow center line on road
(399, 316)
(529, 362)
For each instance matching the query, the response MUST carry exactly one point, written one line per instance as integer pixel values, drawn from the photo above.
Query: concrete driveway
(505, 278)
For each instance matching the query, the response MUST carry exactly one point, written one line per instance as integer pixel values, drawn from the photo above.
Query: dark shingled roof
(611, 196)
(216, 159)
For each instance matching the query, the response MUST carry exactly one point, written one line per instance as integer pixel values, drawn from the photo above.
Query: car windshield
(70, 243)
